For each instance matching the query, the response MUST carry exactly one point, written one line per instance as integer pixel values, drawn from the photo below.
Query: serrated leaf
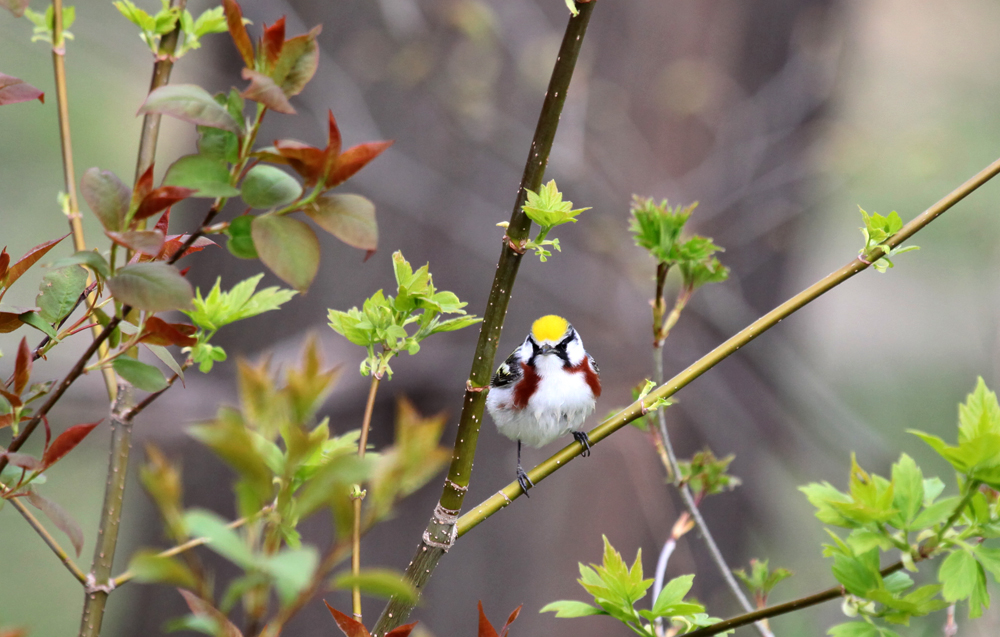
(154, 287)
(958, 575)
(207, 176)
(288, 247)
(143, 376)
(190, 103)
(350, 218)
(267, 186)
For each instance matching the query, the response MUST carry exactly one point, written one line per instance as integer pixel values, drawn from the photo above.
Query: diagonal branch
(493, 504)
(440, 532)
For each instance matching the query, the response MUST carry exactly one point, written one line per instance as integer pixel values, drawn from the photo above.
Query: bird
(545, 389)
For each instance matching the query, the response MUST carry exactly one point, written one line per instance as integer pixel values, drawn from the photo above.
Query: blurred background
(780, 117)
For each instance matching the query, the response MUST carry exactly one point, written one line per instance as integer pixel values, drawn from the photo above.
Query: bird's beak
(547, 348)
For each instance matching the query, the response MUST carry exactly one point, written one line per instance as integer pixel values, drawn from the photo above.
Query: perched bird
(545, 389)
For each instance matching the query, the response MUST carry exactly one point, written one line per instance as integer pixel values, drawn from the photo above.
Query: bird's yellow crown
(549, 328)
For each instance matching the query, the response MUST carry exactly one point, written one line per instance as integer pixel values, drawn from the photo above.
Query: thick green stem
(493, 504)
(440, 532)
(99, 583)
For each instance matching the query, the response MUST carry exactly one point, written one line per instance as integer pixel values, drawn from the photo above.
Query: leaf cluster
(547, 208)
(877, 230)
(153, 27)
(383, 320)
(761, 580)
(45, 23)
(706, 474)
(907, 513)
(616, 588)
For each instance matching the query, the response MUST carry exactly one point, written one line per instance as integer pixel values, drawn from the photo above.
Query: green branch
(493, 504)
(440, 532)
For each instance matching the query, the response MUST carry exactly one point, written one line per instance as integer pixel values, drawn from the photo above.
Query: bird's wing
(508, 372)
(593, 365)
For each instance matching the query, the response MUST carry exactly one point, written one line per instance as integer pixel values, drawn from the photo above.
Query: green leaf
(267, 186)
(292, 570)
(377, 582)
(148, 567)
(350, 218)
(60, 290)
(936, 513)
(324, 485)
(221, 539)
(288, 247)
(859, 574)
(958, 575)
(154, 287)
(218, 144)
(145, 377)
(222, 308)
(189, 103)
(240, 242)
(297, 62)
(853, 629)
(908, 496)
(34, 320)
(88, 258)
(208, 176)
(570, 608)
(107, 197)
(990, 559)
(547, 208)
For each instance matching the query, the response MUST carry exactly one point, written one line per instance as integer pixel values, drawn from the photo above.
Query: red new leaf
(143, 186)
(14, 90)
(10, 321)
(4, 262)
(31, 258)
(159, 332)
(65, 442)
(174, 243)
(350, 626)
(160, 199)
(163, 223)
(149, 242)
(274, 38)
(402, 631)
(234, 19)
(486, 628)
(22, 367)
(352, 160)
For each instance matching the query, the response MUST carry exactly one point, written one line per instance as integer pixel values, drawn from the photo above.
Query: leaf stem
(39, 528)
(512, 491)
(440, 532)
(356, 532)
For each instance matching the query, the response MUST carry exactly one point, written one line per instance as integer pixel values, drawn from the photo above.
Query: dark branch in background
(440, 532)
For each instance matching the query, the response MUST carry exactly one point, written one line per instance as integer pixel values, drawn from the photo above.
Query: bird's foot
(524, 481)
(583, 439)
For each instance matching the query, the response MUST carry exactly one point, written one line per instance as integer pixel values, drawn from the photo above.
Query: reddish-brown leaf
(143, 186)
(14, 90)
(13, 399)
(163, 223)
(485, 627)
(149, 242)
(6, 420)
(174, 243)
(4, 262)
(274, 38)
(63, 520)
(304, 159)
(15, 271)
(23, 460)
(352, 160)
(160, 199)
(298, 62)
(401, 631)
(263, 89)
(333, 139)
(350, 626)
(510, 620)
(10, 321)
(16, 7)
(234, 19)
(65, 442)
(159, 332)
(22, 366)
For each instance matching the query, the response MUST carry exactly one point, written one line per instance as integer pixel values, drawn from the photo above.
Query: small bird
(545, 389)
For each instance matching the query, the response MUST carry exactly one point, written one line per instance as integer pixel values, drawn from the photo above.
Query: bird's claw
(583, 439)
(524, 481)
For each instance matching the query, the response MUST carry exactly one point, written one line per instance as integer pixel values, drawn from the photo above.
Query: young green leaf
(267, 186)
(145, 377)
(207, 176)
(240, 242)
(59, 291)
(154, 287)
(547, 208)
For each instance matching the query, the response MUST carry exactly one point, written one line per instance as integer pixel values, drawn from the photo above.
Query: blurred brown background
(779, 116)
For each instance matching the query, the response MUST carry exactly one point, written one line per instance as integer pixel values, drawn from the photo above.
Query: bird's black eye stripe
(563, 344)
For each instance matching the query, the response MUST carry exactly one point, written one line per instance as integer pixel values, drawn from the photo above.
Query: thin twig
(356, 532)
(39, 528)
(559, 460)
(692, 506)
